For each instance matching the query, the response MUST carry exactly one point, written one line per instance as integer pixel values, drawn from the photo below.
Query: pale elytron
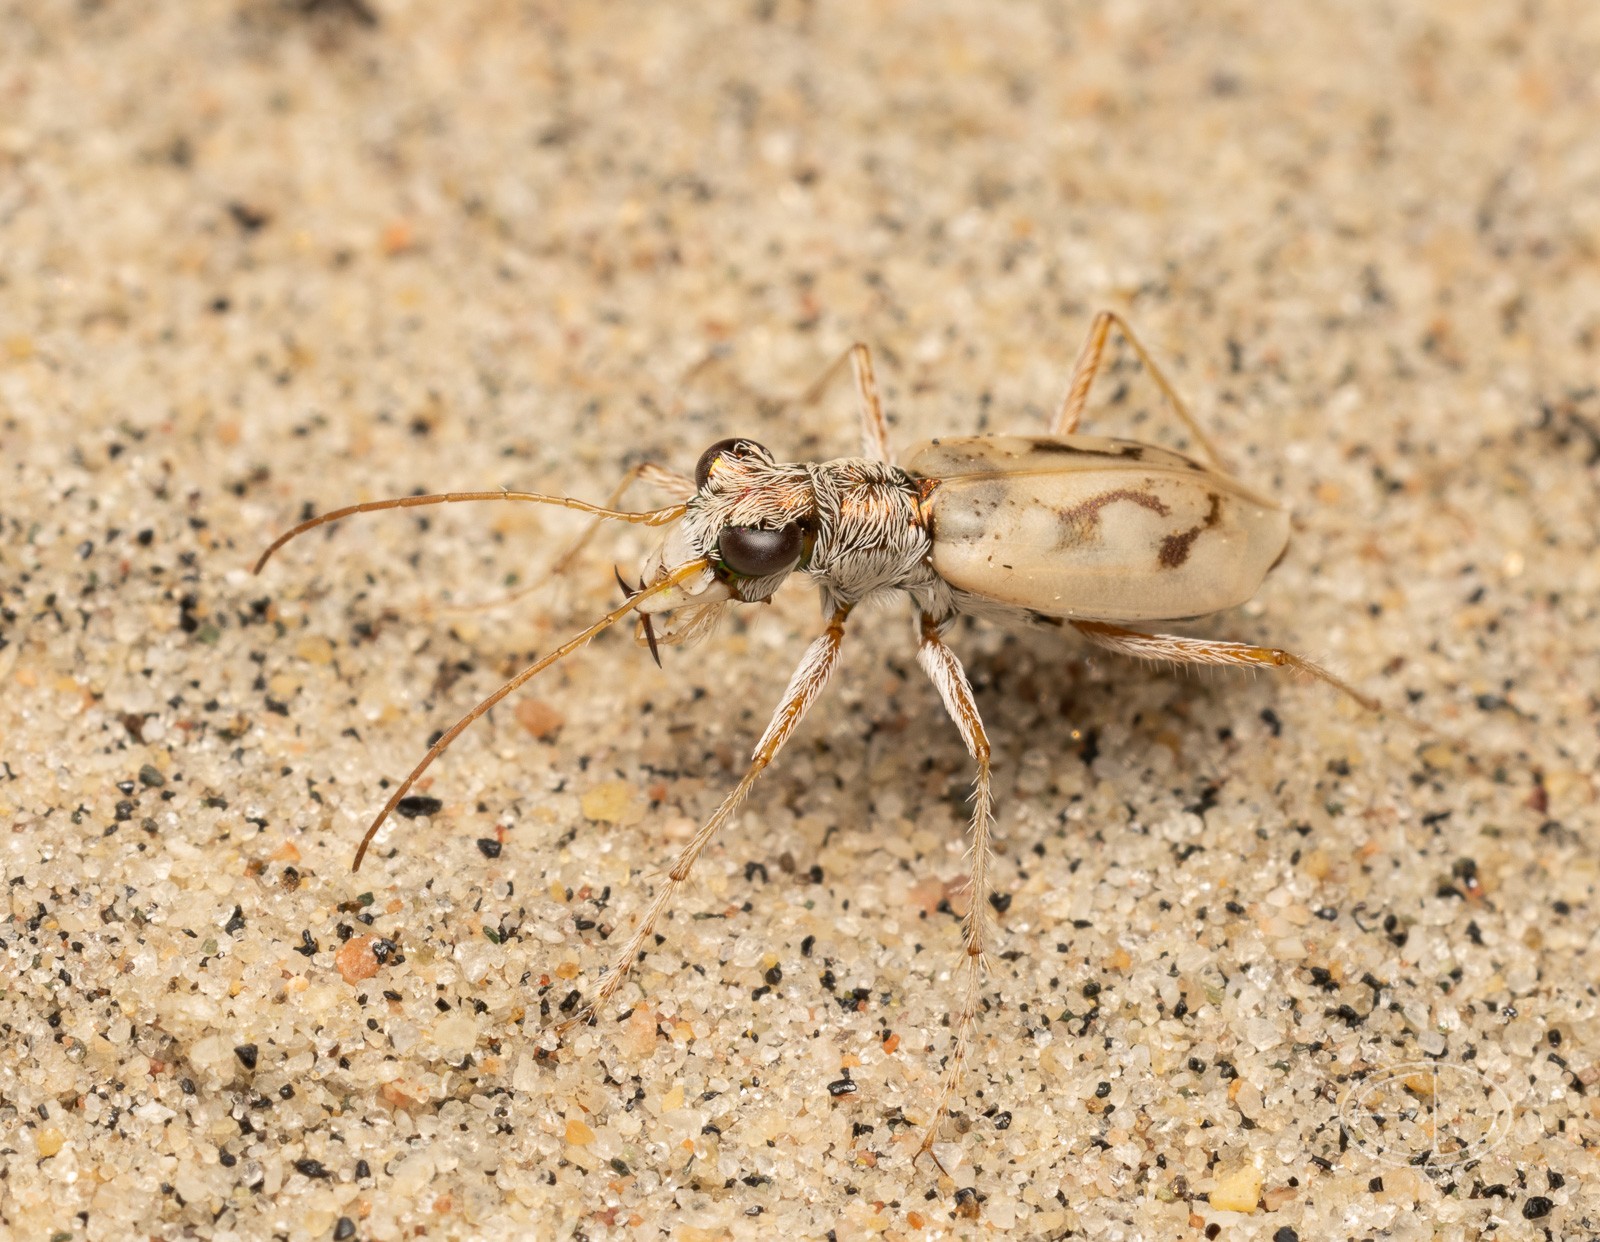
(1057, 529)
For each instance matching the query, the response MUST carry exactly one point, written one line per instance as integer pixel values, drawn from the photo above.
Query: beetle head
(750, 518)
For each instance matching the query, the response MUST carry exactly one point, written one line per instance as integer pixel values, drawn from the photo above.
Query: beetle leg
(874, 427)
(668, 481)
(1088, 366)
(944, 670)
(671, 482)
(1184, 650)
(809, 678)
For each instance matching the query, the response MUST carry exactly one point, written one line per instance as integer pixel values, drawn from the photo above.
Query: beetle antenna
(658, 476)
(651, 517)
(681, 574)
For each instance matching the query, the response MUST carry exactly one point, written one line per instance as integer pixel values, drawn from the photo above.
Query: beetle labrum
(1059, 529)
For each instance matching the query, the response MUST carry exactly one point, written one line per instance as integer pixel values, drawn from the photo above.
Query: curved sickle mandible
(681, 574)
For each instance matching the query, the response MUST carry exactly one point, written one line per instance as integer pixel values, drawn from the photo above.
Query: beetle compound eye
(755, 553)
(738, 446)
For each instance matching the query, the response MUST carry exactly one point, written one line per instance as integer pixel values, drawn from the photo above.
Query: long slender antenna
(678, 575)
(653, 517)
(659, 476)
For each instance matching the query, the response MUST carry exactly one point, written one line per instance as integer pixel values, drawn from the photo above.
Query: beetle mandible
(1058, 529)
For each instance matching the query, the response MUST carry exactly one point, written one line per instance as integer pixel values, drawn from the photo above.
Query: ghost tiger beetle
(1059, 529)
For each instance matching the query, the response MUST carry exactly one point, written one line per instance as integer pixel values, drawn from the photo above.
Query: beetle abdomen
(1092, 528)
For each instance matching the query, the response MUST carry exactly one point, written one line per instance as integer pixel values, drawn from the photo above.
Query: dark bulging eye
(755, 553)
(738, 446)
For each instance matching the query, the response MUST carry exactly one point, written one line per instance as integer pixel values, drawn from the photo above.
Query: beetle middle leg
(1180, 649)
(1088, 366)
(815, 668)
(869, 406)
(944, 670)
(874, 426)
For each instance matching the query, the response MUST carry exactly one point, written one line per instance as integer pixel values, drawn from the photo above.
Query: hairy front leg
(807, 683)
(944, 670)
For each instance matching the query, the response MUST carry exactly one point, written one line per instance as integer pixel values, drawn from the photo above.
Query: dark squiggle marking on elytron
(1132, 452)
(1079, 521)
(1175, 548)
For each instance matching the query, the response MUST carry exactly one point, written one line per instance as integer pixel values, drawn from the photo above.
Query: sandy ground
(1269, 967)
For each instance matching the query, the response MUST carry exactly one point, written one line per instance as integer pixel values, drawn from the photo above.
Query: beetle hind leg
(1087, 367)
(944, 670)
(1180, 649)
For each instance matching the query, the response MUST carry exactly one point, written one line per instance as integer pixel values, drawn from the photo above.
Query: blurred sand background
(260, 257)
